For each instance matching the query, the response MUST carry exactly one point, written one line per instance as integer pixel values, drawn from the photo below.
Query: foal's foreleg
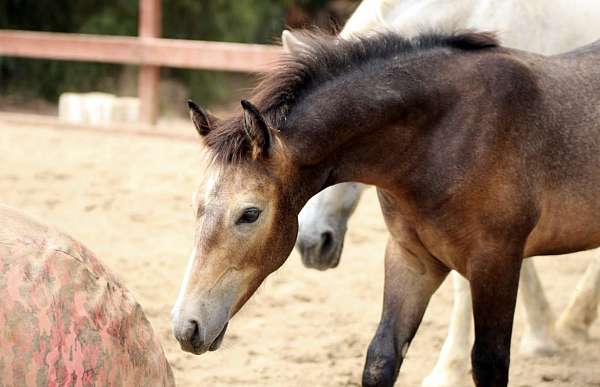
(452, 364)
(494, 285)
(407, 292)
(575, 321)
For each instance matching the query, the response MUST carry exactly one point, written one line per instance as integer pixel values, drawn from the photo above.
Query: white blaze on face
(176, 311)
(179, 304)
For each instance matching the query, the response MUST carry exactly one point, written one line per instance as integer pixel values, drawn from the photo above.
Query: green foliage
(219, 20)
(45, 78)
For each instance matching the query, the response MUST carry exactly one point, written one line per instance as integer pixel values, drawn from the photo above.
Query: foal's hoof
(378, 373)
(450, 377)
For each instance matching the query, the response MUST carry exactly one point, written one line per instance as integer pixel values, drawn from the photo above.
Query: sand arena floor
(128, 199)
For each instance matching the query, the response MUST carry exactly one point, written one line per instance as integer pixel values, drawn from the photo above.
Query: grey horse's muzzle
(322, 253)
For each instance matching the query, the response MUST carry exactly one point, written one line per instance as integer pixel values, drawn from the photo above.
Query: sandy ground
(128, 199)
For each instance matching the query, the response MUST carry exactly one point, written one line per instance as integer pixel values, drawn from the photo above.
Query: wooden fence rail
(148, 51)
(139, 51)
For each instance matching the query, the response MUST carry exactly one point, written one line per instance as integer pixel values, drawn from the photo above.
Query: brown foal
(482, 156)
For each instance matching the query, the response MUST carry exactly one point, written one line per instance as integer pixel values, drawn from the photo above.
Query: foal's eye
(250, 215)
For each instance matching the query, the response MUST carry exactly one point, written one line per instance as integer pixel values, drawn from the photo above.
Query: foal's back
(561, 151)
(516, 156)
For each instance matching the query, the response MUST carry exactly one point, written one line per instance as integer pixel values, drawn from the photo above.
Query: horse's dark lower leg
(406, 295)
(383, 358)
(494, 285)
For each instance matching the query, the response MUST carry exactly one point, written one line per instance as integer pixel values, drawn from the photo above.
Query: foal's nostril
(189, 336)
(187, 332)
(326, 242)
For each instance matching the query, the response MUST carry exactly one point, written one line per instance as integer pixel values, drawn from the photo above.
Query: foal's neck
(363, 125)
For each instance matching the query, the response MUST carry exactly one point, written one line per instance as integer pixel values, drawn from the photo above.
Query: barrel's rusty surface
(65, 319)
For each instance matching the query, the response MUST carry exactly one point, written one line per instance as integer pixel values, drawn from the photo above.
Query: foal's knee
(382, 364)
(490, 365)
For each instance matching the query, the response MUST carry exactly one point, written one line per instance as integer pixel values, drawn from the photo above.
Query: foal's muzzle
(192, 338)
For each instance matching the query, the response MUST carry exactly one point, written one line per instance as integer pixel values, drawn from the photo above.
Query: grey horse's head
(322, 225)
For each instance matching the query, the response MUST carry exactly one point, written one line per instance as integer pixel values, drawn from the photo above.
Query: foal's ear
(200, 118)
(257, 130)
(291, 43)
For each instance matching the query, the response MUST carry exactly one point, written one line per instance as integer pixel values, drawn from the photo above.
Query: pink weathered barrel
(65, 319)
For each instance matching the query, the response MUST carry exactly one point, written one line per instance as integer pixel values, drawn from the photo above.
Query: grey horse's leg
(452, 367)
(538, 336)
(575, 321)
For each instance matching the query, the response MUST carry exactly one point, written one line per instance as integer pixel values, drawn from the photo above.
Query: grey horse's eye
(250, 215)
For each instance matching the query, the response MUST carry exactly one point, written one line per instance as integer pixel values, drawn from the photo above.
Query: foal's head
(245, 224)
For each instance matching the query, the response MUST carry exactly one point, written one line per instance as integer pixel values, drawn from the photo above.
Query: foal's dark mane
(324, 59)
